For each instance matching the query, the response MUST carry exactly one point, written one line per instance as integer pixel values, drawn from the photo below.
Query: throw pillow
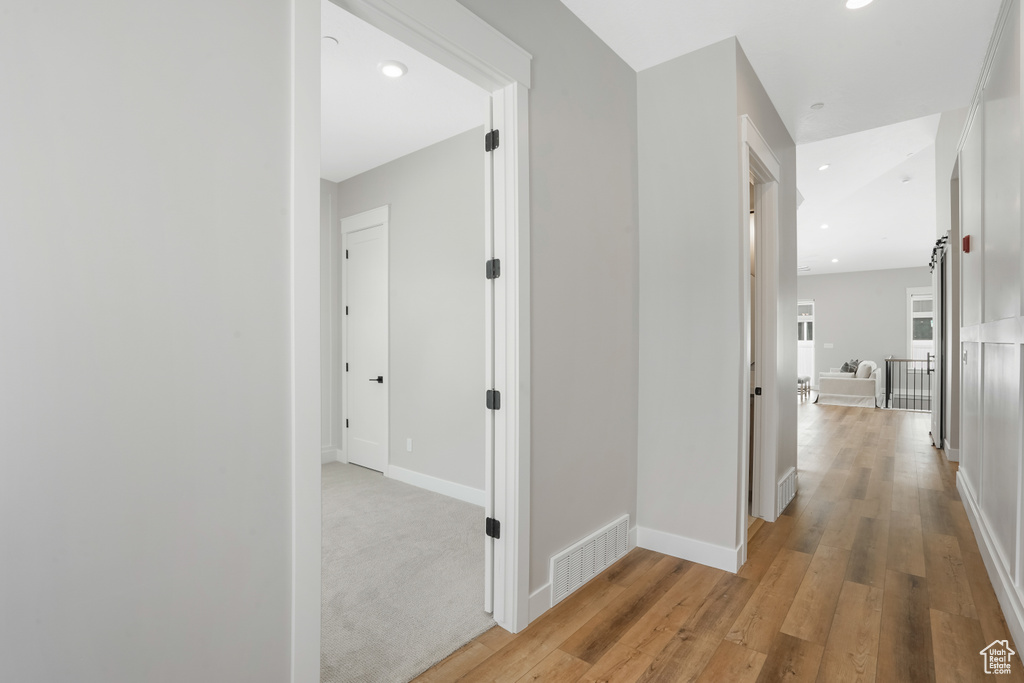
(850, 366)
(864, 370)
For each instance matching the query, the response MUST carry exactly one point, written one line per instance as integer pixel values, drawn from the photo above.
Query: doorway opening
(451, 38)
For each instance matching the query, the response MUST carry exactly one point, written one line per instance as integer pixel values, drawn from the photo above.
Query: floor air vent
(576, 565)
(787, 489)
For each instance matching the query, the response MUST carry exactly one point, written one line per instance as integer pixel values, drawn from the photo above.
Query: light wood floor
(872, 574)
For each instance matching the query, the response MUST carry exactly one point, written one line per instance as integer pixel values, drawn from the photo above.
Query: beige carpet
(403, 572)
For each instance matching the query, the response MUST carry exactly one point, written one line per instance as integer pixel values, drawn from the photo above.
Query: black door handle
(378, 379)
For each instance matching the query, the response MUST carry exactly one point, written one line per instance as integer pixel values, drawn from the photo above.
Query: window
(921, 322)
(805, 338)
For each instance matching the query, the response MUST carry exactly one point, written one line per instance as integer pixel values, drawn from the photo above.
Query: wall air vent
(581, 562)
(787, 489)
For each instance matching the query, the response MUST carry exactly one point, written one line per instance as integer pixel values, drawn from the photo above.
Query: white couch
(863, 388)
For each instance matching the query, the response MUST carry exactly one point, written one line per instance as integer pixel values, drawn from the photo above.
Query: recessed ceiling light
(824, 226)
(392, 69)
(824, 167)
(330, 40)
(905, 181)
(857, 4)
(803, 269)
(818, 105)
(835, 260)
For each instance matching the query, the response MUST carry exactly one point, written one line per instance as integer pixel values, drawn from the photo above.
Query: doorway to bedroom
(406, 352)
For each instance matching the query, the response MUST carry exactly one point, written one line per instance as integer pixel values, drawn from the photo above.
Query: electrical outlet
(408, 445)
(829, 345)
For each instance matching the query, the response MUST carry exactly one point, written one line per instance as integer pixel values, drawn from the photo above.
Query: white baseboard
(1010, 600)
(331, 454)
(461, 492)
(540, 601)
(952, 454)
(718, 556)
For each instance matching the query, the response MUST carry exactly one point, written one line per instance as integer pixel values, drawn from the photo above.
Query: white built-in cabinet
(991, 475)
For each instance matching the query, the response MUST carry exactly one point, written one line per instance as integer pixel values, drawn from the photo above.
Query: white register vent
(581, 562)
(787, 489)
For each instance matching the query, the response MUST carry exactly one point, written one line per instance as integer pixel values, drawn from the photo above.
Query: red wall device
(967, 244)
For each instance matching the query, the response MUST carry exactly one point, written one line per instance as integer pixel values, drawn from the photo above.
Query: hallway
(872, 573)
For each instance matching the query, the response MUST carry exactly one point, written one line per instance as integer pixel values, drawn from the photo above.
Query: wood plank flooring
(871, 574)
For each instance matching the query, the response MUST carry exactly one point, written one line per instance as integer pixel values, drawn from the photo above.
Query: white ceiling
(875, 220)
(878, 70)
(891, 61)
(367, 119)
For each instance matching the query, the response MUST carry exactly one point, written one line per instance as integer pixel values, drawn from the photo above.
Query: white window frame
(919, 293)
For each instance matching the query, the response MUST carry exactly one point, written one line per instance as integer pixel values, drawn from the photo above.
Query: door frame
(454, 36)
(760, 166)
(373, 218)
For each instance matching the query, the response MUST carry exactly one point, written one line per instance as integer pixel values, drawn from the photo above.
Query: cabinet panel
(1002, 169)
(1000, 425)
(970, 424)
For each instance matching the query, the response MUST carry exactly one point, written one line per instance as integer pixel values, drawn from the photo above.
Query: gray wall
(583, 222)
(436, 263)
(691, 289)
(690, 292)
(863, 314)
(144, 288)
(753, 101)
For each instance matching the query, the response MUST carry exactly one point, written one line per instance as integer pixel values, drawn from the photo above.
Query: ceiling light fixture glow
(824, 226)
(824, 167)
(835, 260)
(857, 4)
(392, 69)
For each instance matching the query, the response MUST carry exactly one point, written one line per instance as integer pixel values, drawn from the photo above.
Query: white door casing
(454, 36)
(759, 167)
(365, 341)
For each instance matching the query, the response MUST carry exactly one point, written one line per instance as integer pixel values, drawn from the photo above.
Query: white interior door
(366, 357)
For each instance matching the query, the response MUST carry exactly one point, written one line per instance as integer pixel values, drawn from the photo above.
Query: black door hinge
(493, 269)
(346, 310)
(346, 253)
(493, 399)
(491, 141)
(493, 528)
(757, 391)
(346, 367)
(346, 423)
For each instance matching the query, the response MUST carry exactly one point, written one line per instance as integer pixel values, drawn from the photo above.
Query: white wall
(436, 264)
(862, 314)
(583, 256)
(144, 289)
(691, 289)
(991, 459)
